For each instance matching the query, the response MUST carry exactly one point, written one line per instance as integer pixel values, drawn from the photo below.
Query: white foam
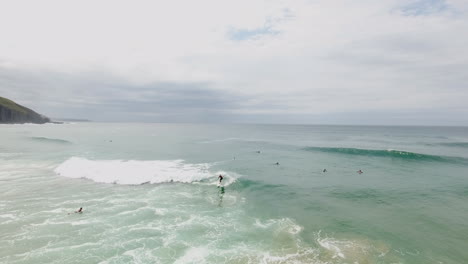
(280, 225)
(356, 250)
(301, 256)
(10, 216)
(194, 255)
(333, 246)
(133, 171)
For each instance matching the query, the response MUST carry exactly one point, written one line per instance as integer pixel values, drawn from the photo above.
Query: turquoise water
(149, 194)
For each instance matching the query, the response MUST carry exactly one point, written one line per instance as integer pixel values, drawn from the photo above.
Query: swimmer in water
(360, 171)
(79, 211)
(277, 163)
(324, 170)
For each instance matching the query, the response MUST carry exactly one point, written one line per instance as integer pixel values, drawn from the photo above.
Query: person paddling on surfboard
(360, 171)
(79, 211)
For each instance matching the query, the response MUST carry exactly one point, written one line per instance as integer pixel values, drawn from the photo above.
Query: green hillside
(12, 113)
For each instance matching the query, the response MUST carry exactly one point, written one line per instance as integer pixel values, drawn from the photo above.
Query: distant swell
(134, 172)
(51, 140)
(399, 154)
(455, 144)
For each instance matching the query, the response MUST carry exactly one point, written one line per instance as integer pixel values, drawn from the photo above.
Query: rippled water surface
(149, 194)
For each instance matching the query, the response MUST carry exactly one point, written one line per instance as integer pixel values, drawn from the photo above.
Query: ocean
(149, 194)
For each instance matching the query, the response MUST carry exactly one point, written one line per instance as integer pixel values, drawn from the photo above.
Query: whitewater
(150, 194)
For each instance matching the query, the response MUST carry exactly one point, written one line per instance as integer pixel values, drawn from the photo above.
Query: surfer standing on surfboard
(220, 177)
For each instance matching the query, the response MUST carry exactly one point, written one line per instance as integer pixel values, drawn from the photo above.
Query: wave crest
(51, 140)
(390, 153)
(455, 144)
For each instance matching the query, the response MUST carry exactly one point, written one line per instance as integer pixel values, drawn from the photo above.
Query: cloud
(108, 98)
(284, 59)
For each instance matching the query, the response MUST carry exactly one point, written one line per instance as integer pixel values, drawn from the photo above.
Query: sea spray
(134, 171)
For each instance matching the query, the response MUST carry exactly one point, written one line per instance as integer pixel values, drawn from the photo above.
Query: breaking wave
(390, 153)
(134, 172)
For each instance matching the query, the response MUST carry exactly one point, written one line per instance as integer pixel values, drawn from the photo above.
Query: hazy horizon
(392, 62)
(71, 120)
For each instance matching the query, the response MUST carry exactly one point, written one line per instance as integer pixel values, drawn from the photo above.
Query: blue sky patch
(245, 34)
(424, 7)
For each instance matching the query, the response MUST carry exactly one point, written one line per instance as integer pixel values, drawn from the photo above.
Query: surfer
(360, 171)
(79, 211)
(277, 163)
(324, 170)
(220, 177)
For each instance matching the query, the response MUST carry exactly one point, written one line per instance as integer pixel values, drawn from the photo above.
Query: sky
(386, 62)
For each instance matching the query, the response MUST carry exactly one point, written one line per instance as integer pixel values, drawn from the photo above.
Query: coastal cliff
(13, 113)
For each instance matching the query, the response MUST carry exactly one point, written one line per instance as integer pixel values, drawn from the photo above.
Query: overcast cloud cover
(306, 61)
